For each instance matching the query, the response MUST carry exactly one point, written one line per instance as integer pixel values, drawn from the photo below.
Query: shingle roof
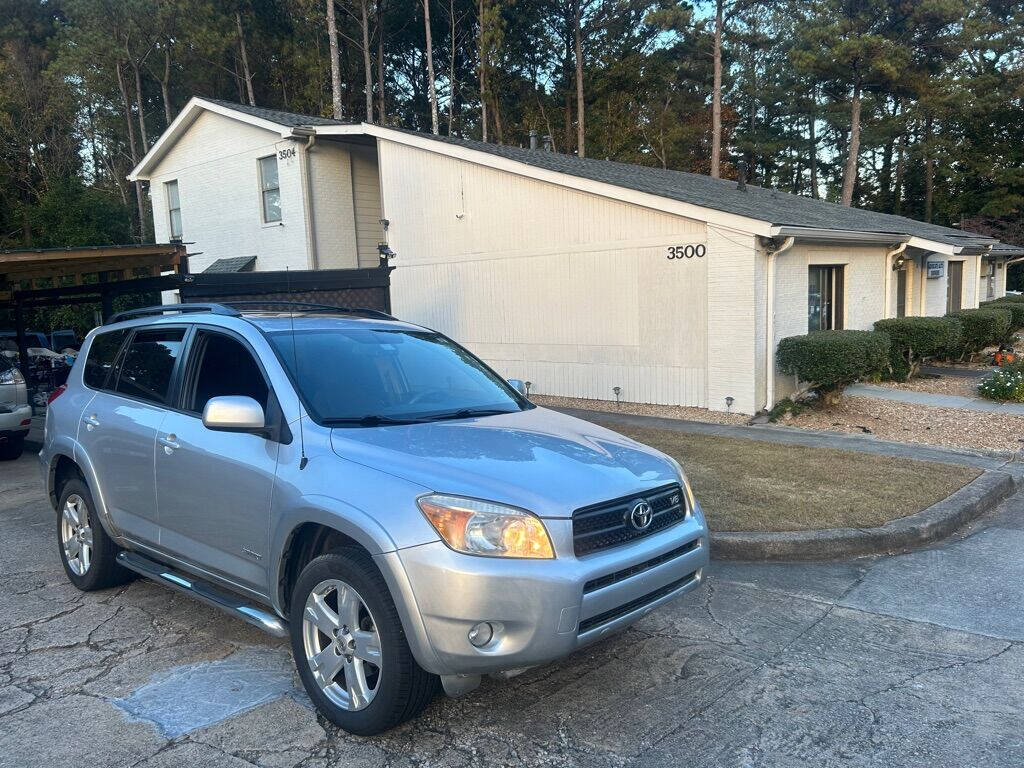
(290, 119)
(231, 264)
(760, 203)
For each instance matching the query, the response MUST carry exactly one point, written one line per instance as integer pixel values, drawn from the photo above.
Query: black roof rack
(307, 307)
(216, 309)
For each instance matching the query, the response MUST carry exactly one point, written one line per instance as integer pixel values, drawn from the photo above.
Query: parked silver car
(15, 412)
(366, 486)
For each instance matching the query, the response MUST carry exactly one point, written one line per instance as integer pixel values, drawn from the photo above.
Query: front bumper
(14, 420)
(542, 609)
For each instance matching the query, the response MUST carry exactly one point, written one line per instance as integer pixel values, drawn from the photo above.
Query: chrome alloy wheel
(76, 534)
(342, 645)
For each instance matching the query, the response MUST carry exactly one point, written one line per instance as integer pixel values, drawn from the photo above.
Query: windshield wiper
(372, 420)
(468, 413)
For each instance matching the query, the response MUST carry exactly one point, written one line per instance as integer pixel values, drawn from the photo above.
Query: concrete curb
(932, 524)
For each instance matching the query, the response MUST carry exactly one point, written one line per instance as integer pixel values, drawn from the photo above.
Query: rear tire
(344, 622)
(89, 555)
(12, 448)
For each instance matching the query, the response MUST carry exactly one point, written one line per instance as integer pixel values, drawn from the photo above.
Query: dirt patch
(906, 422)
(749, 485)
(642, 409)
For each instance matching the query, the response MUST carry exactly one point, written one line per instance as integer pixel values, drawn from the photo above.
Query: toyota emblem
(640, 515)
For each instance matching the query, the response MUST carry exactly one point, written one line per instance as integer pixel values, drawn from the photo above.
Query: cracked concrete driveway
(915, 660)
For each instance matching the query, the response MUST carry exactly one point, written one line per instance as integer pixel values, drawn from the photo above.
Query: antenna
(295, 356)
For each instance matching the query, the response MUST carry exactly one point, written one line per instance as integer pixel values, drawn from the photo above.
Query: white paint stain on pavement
(197, 695)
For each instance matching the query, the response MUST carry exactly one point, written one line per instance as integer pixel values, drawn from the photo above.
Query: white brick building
(578, 275)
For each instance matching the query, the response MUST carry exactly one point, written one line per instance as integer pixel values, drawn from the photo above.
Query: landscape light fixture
(729, 400)
(617, 391)
(527, 385)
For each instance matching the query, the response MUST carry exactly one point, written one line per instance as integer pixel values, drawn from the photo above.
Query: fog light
(481, 634)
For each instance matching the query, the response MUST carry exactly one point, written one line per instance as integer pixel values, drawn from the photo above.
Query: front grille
(617, 613)
(613, 578)
(605, 525)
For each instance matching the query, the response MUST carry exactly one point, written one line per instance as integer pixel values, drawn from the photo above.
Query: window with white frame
(173, 209)
(270, 189)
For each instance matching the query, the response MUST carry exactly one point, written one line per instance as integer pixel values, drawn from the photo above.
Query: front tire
(350, 648)
(89, 555)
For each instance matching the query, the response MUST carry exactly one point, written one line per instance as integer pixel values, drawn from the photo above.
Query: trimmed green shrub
(1005, 384)
(912, 339)
(981, 328)
(829, 360)
(1015, 308)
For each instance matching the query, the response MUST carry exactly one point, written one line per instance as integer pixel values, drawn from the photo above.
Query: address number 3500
(687, 251)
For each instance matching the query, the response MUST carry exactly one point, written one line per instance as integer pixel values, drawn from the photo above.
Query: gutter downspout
(769, 329)
(309, 134)
(887, 278)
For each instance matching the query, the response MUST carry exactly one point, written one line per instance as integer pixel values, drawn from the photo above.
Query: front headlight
(486, 528)
(11, 376)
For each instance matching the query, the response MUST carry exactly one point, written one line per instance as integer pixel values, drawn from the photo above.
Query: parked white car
(15, 412)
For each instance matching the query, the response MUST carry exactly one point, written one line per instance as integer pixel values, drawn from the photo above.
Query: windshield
(366, 376)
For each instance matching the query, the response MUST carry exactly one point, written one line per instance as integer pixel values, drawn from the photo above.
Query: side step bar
(204, 591)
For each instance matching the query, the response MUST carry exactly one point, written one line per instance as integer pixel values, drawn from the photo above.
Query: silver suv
(364, 486)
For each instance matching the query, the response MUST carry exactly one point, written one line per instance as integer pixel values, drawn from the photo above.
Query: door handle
(170, 443)
(91, 422)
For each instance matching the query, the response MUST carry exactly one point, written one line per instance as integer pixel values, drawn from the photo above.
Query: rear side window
(102, 355)
(149, 363)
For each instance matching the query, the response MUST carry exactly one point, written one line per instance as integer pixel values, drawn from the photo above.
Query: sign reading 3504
(697, 251)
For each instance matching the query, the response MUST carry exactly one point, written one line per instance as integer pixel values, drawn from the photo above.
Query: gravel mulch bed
(944, 385)
(888, 420)
(642, 409)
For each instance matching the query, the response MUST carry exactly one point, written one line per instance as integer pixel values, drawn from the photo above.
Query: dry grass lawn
(749, 485)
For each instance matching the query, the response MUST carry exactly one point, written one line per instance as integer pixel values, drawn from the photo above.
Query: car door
(214, 488)
(119, 425)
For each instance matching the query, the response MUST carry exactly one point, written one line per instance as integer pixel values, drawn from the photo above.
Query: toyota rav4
(367, 488)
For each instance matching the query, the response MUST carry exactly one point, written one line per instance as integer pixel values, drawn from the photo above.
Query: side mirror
(233, 413)
(518, 385)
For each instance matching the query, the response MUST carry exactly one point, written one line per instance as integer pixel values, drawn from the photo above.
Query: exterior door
(214, 488)
(119, 428)
(901, 293)
(954, 285)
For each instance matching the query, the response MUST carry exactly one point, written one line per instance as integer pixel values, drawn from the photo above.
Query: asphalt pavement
(912, 660)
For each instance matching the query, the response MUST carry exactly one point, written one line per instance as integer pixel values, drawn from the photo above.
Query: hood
(540, 460)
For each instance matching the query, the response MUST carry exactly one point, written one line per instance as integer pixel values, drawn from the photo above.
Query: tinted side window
(225, 367)
(148, 364)
(101, 358)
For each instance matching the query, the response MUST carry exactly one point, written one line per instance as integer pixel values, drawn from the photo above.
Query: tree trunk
(813, 139)
(850, 174)
(716, 94)
(132, 148)
(332, 36)
(245, 59)
(452, 85)
(901, 154)
(165, 85)
(929, 170)
(365, 21)
(431, 89)
(581, 149)
(483, 71)
(139, 105)
(382, 108)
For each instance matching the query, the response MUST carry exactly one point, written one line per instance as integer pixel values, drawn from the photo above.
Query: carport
(36, 278)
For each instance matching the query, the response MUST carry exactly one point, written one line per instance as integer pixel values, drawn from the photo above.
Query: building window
(270, 189)
(173, 209)
(954, 285)
(825, 298)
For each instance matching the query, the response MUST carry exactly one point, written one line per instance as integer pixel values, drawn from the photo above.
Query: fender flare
(69, 448)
